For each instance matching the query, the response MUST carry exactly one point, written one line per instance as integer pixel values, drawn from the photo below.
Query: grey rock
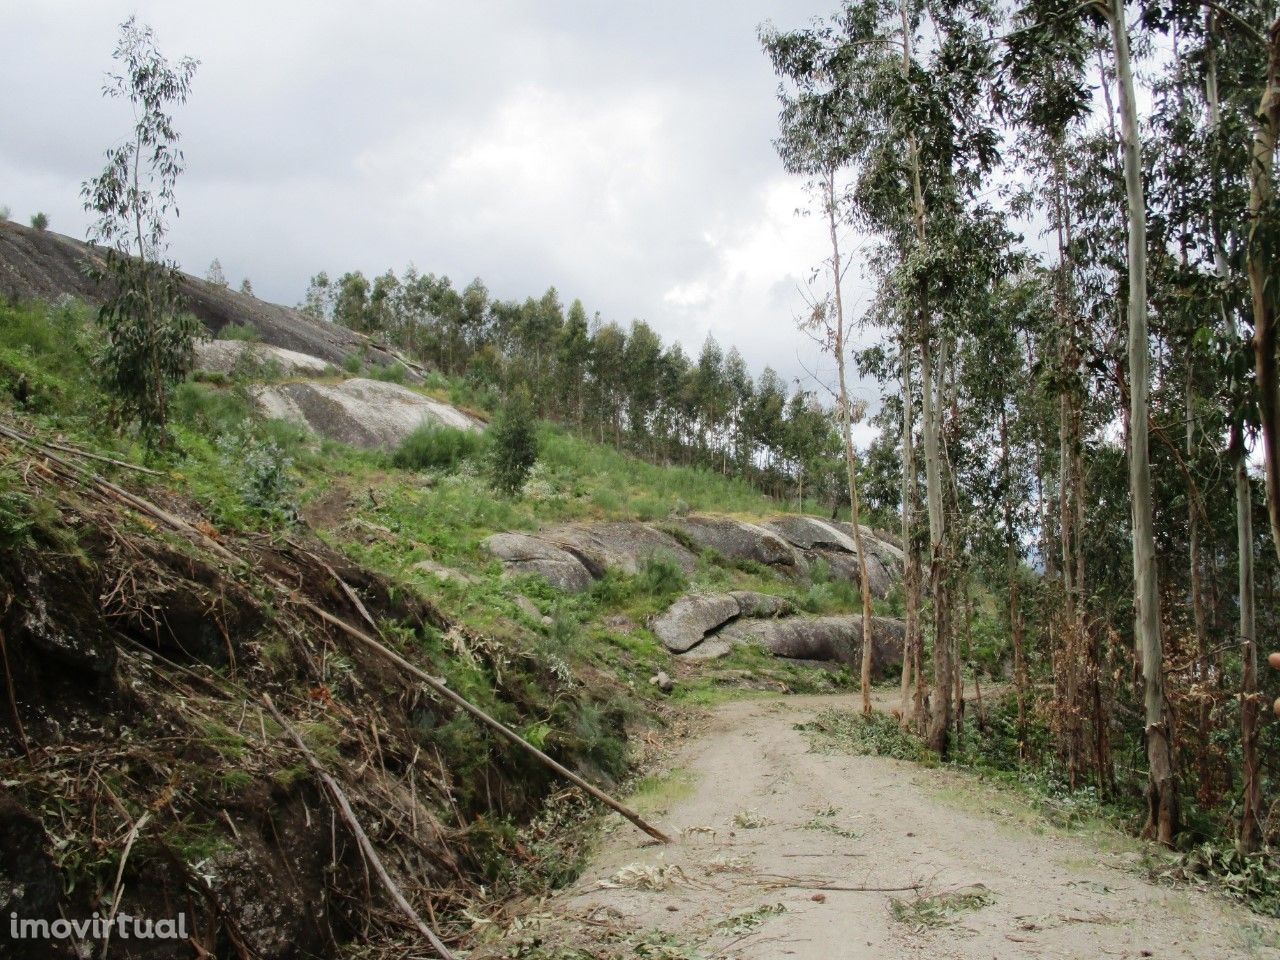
(835, 639)
(692, 617)
(442, 572)
(810, 532)
(232, 356)
(624, 546)
(43, 265)
(527, 607)
(364, 413)
(663, 681)
(752, 604)
(521, 553)
(737, 540)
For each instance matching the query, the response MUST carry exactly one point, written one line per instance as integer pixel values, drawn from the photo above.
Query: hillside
(43, 265)
(152, 600)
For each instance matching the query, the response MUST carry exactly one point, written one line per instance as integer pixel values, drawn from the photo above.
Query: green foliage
(39, 221)
(434, 447)
(240, 331)
(353, 363)
(1251, 879)
(940, 909)
(513, 444)
(873, 735)
(148, 344)
(263, 473)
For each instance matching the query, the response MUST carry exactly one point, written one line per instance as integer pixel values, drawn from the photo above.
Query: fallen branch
(366, 846)
(496, 725)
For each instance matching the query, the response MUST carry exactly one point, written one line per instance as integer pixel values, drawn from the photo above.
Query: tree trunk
(910, 573)
(1162, 789)
(1263, 268)
(850, 458)
(1011, 572)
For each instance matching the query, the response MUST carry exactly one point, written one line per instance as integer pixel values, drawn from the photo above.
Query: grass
(657, 793)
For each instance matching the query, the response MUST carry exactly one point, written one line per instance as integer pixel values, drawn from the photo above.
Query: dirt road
(764, 822)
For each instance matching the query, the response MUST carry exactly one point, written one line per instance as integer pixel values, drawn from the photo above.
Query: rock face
(692, 617)
(523, 554)
(738, 540)
(43, 265)
(792, 546)
(363, 413)
(835, 639)
(231, 356)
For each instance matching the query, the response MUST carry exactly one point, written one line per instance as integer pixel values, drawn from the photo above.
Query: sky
(620, 152)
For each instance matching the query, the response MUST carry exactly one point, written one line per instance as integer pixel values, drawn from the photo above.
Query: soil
(763, 821)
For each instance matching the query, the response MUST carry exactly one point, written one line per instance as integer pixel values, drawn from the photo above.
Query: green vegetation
(873, 735)
(239, 331)
(940, 909)
(433, 447)
(513, 444)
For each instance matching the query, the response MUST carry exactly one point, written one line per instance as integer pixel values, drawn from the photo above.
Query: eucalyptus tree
(818, 140)
(148, 344)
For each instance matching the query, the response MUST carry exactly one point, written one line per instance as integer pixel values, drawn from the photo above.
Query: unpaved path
(861, 821)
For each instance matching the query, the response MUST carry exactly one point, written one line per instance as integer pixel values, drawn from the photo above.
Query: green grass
(874, 735)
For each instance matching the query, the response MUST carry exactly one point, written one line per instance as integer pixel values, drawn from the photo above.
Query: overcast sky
(618, 151)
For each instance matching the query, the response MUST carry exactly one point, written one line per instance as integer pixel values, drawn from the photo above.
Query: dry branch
(366, 846)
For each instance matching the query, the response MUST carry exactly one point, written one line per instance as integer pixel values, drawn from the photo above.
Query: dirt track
(756, 808)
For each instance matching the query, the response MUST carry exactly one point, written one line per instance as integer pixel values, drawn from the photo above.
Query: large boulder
(626, 546)
(835, 639)
(833, 544)
(692, 617)
(524, 554)
(233, 356)
(737, 540)
(364, 413)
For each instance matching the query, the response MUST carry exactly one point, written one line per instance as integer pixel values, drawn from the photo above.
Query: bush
(40, 221)
(392, 372)
(239, 331)
(263, 475)
(352, 363)
(513, 444)
(434, 447)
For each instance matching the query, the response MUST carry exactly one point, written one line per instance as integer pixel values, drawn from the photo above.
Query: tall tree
(148, 346)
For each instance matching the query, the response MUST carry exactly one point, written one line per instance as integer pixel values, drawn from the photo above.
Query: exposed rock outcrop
(737, 540)
(43, 265)
(232, 356)
(363, 413)
(792, 546)
(692, 617)
(835, 639)
(524, 554)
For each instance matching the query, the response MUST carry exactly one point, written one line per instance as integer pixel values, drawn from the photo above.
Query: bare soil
(764, 823)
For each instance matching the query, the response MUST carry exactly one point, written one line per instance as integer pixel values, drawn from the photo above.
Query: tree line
(621, 385)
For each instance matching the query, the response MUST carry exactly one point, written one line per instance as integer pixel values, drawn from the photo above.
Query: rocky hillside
(43, 265)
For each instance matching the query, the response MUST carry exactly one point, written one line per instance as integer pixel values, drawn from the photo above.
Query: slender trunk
(1162, 790)
(910, 574)
(1264, 266)
(850, 458)
(1011, 573)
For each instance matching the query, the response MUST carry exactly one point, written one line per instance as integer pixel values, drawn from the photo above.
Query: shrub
(433, 447)
(39, 221)
(352, 363)
(263, 475)
(391, 372)
(513, 444)
(239, 331)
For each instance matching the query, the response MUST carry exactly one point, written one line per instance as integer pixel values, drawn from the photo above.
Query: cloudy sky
(620, 152)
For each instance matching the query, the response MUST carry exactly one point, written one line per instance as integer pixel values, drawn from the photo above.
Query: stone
(232, 356)
(371, 414)
(737, 540)
(662, 681)
(521, 553)
(836, 639)
(692, 617)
